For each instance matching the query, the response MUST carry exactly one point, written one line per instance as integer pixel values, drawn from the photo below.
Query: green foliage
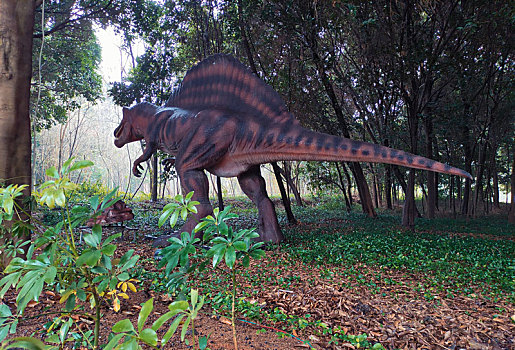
(127, 337)
(69, 72)
(221, 243)
(443, 250)
(7, 197)
(13, 231)
(131, 337)
(77, 273)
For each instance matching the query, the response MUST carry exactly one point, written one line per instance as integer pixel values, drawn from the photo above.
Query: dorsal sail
(221, 81)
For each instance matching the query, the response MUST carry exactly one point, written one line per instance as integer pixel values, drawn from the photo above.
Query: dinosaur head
(134, 123)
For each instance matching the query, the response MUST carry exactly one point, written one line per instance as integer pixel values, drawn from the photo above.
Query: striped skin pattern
(225, 120)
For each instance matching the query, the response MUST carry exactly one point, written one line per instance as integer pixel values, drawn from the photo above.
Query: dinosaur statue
(225, 120)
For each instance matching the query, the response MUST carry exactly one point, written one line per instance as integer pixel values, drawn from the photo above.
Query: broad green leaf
(108, 249)
(202, 343)
(93, 201)
(3, 332)
(131, 344)
(172, 329)
(240, 246)
(184, 213)
(63, 331)
(81, 164)
(189, 196)
(50, 274)
(96, 230)
(123, 326)
(124, 276)
(66, 165)
(245, 261)
(194, 297)
(52, 172)
(162, 219)
(257, 254)
(27, 343)
(173, 218)
(5, 311)
(185, 328)
(161, 320)
(114, 341)
(60, 198)
(8, 205)
(144, 312)
(149, 336)
(178, 306)
(112, 238)
(90, 258)
(230, 256)
(219, 254)
(200, 226)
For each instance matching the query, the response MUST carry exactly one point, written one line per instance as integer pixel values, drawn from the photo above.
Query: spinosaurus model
(224, 119)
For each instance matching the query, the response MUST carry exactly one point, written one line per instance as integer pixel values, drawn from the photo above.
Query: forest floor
(339, 281)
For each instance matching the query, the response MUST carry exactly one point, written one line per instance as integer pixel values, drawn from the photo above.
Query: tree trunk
(342, 185)
(479, 191)
(357, 171)
(409, 209)
(388, 187)
(511, 215)
(286, 172)
(468, 167)
(153, 185)
(349, 182)
(404, 186)
(219, 193)
(408, 212)
(16, 27)
(495, 179)
(284, 196)
(431, 176)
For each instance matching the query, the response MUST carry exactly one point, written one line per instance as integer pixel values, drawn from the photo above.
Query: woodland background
(434, 78)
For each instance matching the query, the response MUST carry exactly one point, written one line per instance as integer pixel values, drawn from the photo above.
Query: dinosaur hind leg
(253, 185)
(196, 181)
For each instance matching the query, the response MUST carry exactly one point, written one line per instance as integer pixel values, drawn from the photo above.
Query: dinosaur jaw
(119, 139)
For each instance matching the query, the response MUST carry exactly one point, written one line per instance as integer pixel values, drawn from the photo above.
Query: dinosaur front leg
(253, 185)
(196, 181)
(147, 153)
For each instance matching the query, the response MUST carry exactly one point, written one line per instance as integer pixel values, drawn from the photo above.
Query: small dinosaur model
(225, 120)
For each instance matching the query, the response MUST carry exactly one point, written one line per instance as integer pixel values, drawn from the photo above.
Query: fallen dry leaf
(225, 320)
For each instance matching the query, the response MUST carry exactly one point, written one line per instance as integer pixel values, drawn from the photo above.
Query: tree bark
(495, 178)
(287, 176)
(511, 215)
(153, 196)
(219, 193)
(284, 196)
(431, 176)
(479, 191)
(342, 185)
(468, 167)
(388, 187)
(246, 44)
(409, 208)
(349, 182)
(16, 27)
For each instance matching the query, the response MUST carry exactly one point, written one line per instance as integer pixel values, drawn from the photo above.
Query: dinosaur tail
(309, 145)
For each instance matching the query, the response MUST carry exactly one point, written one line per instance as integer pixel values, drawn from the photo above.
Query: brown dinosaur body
(225, 120)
